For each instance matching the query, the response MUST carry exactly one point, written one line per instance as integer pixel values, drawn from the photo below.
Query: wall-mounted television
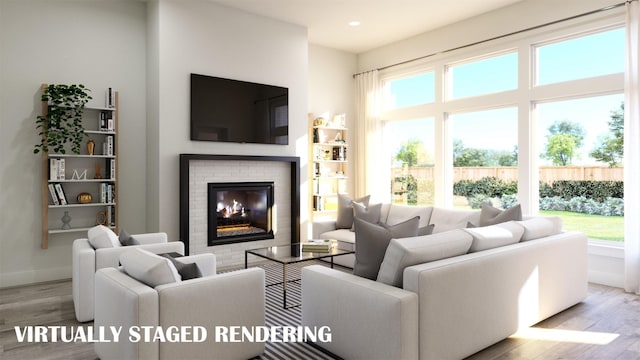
(238, 111)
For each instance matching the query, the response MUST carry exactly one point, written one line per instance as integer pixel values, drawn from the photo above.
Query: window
(410, 91)
(485, 158)
(582, 57)
(472, 151)
(491, 75)
(411, 145)
(581, 177)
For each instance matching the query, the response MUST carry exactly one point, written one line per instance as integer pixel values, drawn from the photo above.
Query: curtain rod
(607, 8)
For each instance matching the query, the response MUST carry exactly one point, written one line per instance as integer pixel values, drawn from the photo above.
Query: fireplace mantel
(185, 159)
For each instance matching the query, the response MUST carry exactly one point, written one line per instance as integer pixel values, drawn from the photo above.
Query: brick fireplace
(198, 171)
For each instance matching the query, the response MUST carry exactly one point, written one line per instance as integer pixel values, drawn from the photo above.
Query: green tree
(463, 156)
(563, 141)
(610, 148)
(560, 149)
(409, 151)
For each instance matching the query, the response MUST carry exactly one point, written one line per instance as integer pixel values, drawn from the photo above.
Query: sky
(583, 57)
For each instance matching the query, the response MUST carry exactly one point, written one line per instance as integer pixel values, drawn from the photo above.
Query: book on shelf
(54, 195)
(56, 169)
(61, 195)
(110, 98)
(324, 245)
(107, 145)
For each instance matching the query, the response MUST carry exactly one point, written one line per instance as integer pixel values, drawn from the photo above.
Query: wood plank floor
(605, 326)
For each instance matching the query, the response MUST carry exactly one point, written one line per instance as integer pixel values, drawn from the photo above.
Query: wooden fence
(547, 174)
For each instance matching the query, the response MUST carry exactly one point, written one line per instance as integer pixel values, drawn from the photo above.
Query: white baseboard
(34, 276)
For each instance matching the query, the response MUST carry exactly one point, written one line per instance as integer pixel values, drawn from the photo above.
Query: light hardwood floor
(604, 326)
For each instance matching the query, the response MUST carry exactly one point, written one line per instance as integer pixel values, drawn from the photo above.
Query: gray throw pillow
(345, 210)
(369, 213)
(126, 239)
(186, 271)
(426, 230)
(491, 216)
(372, 241)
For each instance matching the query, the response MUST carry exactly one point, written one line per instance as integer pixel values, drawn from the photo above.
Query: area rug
(277, 316)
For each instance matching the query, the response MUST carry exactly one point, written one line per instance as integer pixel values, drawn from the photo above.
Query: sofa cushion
(340, 235)
(101, 236)
(449, 219)
(538, 227)
(372, 241)
(400, 213)
(421, 249)
(489, 237)
(126, 239)
(490, 215)
(148, 268)
(345, 210)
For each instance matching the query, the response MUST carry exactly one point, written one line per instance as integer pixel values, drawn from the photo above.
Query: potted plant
(63, 122)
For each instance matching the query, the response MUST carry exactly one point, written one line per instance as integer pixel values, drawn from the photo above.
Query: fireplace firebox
(239, 212)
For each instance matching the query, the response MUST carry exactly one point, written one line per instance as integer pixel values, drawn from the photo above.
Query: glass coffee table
(291, 254)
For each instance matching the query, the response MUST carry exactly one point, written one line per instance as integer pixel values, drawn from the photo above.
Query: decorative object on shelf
(101, 218)
(84, 198)
(319, 121)
(338, 138)
(62, 123)
(340, 120)
(79, 175)
(66, 219)
(98, 172)
(91, 145)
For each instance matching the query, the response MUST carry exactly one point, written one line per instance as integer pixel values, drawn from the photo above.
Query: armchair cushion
(148, 267)
(101, 236)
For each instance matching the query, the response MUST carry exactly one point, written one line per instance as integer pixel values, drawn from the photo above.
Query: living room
(146, 51)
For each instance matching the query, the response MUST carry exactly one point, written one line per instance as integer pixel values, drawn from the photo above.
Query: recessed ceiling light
(354, 23)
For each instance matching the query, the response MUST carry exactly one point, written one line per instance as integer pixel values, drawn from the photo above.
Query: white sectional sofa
(452, 307)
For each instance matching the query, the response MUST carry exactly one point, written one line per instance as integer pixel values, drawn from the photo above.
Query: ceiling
(382, 21)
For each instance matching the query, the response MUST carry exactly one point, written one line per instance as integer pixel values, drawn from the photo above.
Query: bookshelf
(94, 173)
(328, 158)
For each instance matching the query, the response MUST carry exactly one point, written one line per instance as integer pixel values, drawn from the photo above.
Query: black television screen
(238, 111)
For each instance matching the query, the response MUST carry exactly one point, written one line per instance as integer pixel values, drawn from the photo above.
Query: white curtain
(632, 151)
(368, 133)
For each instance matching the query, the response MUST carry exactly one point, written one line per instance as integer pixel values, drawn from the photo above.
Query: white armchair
(86, 260)
(230, 299)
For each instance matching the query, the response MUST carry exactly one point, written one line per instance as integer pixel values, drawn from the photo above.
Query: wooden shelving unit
(85, 214)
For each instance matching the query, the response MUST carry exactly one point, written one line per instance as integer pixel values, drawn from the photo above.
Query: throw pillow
(493, 236)
(405, 252)
(491, 216)
(369, 214)
(372, 241)
(101, 236)
(186, 271)
(148, 268)
(126, 239)
(345, 210)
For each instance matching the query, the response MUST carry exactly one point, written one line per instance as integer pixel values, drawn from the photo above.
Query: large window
(411, 143)
(485, 158)
(581, 177)
(514, 122)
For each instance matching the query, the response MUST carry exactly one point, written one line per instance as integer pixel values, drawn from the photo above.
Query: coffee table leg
(284, 286)
(245, 259)
(332, 262)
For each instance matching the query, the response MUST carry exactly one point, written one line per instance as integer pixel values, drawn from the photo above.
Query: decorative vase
(90, 146)
(66, 219)
(84, 198)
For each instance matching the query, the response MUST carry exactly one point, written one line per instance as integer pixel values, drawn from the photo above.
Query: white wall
(205, 38)
(99, 44)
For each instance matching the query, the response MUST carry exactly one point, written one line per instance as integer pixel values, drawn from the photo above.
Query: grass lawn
(595, 226)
